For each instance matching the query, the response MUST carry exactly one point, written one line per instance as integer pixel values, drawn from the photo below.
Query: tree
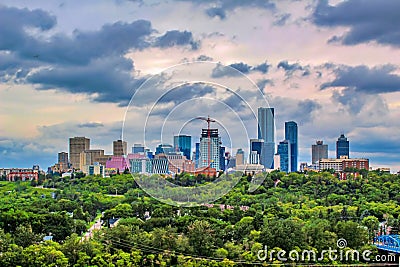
(24, 236)
(201, 237)
(45, 254)
(5, 240)
(284, 233)
(355, 234)
(372, 223)
(243, 228)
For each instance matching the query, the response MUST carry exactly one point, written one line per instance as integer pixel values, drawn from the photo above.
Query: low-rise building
(94, 169)
(21, 174)
(249, 168)
(343, 163)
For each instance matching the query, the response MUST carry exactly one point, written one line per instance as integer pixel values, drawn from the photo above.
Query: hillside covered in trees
(290, 212)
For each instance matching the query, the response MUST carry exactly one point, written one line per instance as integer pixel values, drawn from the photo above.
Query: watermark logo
(341, 243)
(342, 254)
(183, 100)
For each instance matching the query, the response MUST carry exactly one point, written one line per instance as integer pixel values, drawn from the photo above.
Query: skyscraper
(266, 131)
(197, 155)
(342, 147)
(291, 134)
(222, 158)
(76, 146)
(210, 148)
(319, 151)
(183, 143)
(63, 158)
(285, 155)
(119, 148)
(239, 157)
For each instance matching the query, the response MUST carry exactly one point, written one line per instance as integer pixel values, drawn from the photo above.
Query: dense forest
(287, 212)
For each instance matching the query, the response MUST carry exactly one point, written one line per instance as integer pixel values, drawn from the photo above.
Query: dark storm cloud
(204, 58)
(362, 86)
(375, 80)
(263, 83)
(111, 39)
(13, 22)
(79, 48)
(235, 102)
(177, 96)
(180, 38)
(263, 67)
(216, 12)
(368, 20)
(89, 62)
(14, 68)
(186, 92)
(301, 111)
(220, 8)
(109, 79)
(308, 106)
(290, 69)
(236, 68)
(242, 67)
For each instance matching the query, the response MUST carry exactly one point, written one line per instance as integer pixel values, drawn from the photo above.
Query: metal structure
(208, 120)
(388, 243)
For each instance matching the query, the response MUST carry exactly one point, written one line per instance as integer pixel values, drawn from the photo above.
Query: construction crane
(208, 120)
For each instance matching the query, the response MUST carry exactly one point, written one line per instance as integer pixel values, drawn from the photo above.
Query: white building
(95, 169)
(210, 144)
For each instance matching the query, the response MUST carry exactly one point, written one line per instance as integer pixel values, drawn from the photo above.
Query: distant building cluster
(21, 174)
(342, 164)
(208, 155)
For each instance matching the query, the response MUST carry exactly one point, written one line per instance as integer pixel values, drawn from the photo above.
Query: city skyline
(286, 150)
(318, 63)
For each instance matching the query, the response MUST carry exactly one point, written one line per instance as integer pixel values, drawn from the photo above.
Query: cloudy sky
(145, 69)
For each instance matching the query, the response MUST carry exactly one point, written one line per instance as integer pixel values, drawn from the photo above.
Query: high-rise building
(197, 155)
(210, 143)
(164, 149)
(285, 155)
(222, 158)
(183, 143)
(63, 160)
(119, 148)
(137, 148)
(291, 134)
(319, 151)
(90, 156)
(277, 162)
(342, 147)
(239, 157)
(76, 146)
(266, 131)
